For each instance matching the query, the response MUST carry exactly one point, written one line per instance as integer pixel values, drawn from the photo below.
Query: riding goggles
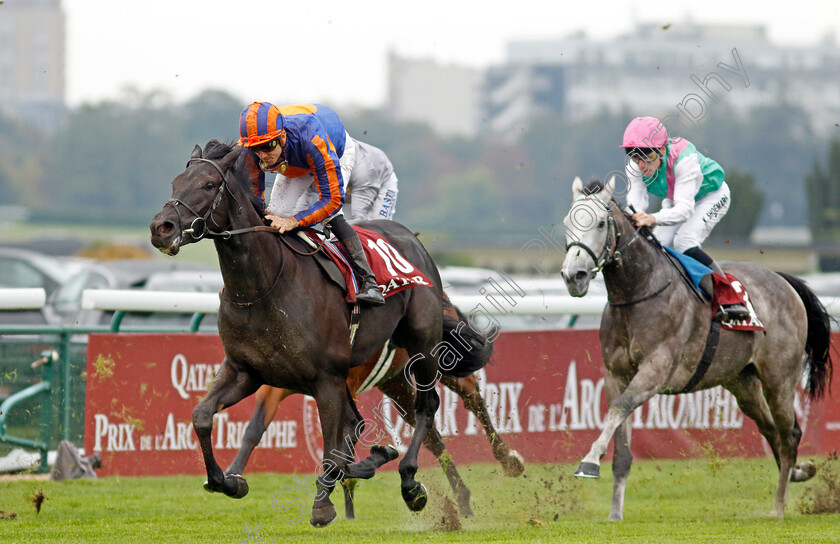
(266, 147)
(643, 154)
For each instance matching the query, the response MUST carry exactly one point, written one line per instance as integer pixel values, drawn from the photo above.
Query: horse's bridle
(198, 228)
(611, 252)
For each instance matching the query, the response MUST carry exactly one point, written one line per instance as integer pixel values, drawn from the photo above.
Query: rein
(649, 236)
(642, 299)
(225, 234)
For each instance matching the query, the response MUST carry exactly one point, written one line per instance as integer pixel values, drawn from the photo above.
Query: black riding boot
(369, 292)
(726, 312)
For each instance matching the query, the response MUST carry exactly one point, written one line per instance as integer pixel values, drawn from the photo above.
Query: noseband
(198, 228)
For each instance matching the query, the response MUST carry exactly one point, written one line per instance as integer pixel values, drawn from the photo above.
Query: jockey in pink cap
(694, 196)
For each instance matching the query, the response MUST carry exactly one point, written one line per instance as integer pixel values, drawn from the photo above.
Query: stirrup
(732, 312)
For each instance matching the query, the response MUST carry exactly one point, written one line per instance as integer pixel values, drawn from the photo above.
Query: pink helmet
(645, 132)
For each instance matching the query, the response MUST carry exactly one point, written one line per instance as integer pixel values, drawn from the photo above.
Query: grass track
(704, 500)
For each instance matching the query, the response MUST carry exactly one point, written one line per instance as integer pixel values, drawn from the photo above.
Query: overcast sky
(335, 52)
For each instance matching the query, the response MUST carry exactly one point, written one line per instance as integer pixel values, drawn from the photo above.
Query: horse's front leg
(331, 399)
(647, 382)
(229, 387)
(401, 393)
(622, 457)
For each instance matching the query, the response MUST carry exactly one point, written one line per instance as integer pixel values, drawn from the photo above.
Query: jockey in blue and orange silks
(694, 194)
(306, 145)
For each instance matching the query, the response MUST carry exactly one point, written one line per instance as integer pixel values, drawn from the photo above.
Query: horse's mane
(595, 185)
(214, 149)
(244, 170)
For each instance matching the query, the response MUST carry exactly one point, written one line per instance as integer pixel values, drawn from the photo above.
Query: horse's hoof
(322, 515)
(207, 487)
(465, 509)
(241, 487)
(416, 497)
(803, 472)
(363, 470)
(389, 452)
(588, 470)
(513, 464)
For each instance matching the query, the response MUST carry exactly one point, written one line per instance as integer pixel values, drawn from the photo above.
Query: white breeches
(708, 211)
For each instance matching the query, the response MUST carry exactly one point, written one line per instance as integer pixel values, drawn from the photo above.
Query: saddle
(693, 273)
(392, 271)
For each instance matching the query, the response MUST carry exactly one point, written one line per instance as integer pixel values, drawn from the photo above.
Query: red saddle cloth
(731, 291)
(393, 272)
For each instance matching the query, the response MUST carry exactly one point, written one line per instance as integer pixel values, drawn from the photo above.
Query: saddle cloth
(392, 271)
(694, 270)
(751, 324)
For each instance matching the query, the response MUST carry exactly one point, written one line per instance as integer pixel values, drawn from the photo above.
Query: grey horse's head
(587, 234)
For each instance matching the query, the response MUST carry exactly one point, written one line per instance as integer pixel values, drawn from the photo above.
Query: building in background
(672, 71)
(675, 71)
(445, 97)
(32, 62)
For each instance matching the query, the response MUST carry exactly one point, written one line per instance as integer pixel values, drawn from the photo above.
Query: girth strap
(706, 360)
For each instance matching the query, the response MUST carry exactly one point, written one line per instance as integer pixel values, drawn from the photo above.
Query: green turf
(705, 500)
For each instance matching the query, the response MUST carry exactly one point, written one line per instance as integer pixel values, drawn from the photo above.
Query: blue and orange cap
(259, 123)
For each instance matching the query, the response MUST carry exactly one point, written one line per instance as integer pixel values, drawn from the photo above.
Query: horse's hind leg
(770, 405)
(748, 392)
(267, 401)
(802, 472)
(398, 390)
(349, 486)
(467, 388)
(423, 366)
(413, 492)
(379, 455)
(229, 387)
(780, 398)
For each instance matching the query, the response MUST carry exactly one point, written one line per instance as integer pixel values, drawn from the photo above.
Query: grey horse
(654, 331)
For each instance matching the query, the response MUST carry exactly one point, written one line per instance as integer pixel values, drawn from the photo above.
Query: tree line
(112, 163)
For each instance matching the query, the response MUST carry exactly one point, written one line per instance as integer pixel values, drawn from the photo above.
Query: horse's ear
(577, 187)
(196, 154)
(609, 189)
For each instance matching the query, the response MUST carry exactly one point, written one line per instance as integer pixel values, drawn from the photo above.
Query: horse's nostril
(581, 275)
(165, 227)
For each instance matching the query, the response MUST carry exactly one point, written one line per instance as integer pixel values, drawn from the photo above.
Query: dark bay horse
(283, 324)
(392, 384)
(654, 330)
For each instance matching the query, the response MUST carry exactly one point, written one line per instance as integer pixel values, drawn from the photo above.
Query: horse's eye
(209, 186)
(601, 224)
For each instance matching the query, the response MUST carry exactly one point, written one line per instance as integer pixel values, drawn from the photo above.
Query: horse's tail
(818, 342)
(473, 348)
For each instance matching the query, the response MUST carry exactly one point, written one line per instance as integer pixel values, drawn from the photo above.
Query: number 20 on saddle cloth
(393, 272)
(726, 291)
